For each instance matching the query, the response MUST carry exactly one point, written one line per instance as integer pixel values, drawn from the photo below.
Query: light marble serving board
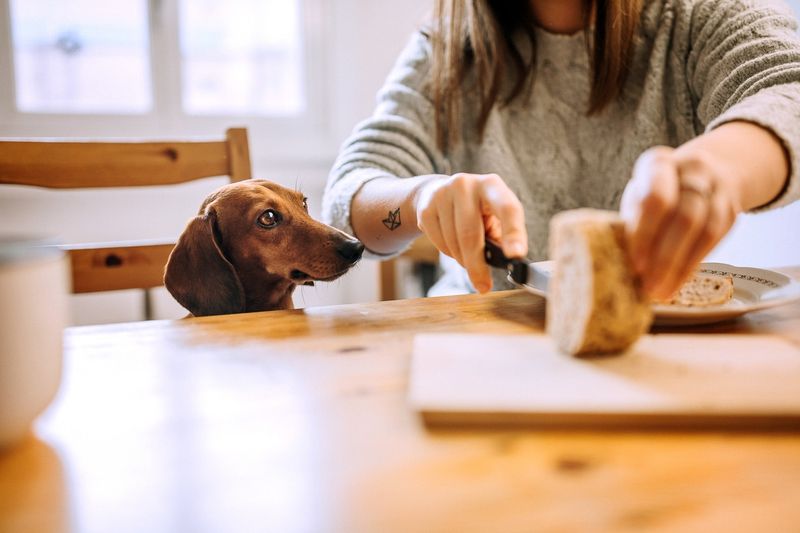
(665, 380)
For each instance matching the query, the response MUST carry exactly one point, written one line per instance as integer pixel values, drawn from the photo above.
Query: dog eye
(269, 219)
(305, 204)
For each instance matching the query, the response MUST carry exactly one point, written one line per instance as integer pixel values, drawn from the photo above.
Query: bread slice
(702, 290)
(594, 304)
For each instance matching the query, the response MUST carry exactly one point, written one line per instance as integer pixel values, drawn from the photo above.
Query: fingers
(447, 227)
(675, 211)
(471, 243)
(457, 213)
(648, 202)
(721, 217)
(671, 257)
(499, 201)
(428, 222)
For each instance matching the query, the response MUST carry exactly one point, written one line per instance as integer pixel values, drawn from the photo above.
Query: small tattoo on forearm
(393, 220)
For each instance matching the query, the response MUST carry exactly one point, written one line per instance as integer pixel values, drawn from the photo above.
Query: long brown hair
(475, 37)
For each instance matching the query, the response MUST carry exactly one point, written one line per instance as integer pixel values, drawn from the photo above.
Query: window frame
(307, 134)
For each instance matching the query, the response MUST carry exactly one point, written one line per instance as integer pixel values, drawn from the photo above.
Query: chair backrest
(57, 164)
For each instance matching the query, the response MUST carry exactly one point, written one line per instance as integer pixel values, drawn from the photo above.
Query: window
(81, 56)
(162, 67)
(241, 57)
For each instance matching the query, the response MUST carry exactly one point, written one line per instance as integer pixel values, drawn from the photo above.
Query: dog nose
(350, 251)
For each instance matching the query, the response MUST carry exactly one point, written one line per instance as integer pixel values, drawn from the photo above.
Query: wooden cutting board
(666, 380)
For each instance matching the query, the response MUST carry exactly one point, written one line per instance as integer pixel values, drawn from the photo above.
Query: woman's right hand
(457, 212)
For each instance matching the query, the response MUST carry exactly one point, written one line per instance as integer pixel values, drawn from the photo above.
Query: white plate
(753, 289)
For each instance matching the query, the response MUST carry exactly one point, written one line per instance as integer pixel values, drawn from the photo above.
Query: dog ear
(198, 275)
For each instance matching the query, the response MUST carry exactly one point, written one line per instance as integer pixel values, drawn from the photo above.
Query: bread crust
(595, 305)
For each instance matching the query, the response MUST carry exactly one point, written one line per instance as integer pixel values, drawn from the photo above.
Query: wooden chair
(77, 164)
(421, 252)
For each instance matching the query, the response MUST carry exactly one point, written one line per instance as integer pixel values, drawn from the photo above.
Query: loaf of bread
(702, 290)
(594, 304)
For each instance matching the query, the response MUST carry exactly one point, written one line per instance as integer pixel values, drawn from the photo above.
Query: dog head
(251, 243)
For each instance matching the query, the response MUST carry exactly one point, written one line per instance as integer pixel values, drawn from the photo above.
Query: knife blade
(521, 270)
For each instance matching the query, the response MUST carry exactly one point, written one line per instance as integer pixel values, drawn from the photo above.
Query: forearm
(383, 212)
(751, 161)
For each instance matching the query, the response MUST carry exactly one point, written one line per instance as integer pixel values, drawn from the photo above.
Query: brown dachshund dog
(248, 248)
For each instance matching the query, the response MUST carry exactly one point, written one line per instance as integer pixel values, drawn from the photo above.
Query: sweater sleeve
(744, 64)
(397, 141)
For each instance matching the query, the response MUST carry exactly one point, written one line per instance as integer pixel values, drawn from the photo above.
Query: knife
(520, 270)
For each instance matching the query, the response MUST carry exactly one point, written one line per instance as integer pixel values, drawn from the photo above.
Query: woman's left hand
(675, 210)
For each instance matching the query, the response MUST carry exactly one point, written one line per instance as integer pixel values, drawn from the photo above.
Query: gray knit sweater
(697, 65)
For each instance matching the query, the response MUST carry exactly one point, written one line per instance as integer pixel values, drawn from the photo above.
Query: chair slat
(67, 165)
(118, 267)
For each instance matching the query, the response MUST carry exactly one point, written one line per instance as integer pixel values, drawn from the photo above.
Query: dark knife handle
(494, 255)
(517, 268)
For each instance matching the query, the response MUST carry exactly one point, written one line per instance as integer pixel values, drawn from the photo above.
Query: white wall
(770, 239)
(363, 37)
(766, 239)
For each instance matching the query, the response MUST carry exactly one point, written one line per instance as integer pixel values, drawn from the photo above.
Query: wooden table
(296, 421)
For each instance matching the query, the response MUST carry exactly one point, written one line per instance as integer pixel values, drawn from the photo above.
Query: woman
(504, 113)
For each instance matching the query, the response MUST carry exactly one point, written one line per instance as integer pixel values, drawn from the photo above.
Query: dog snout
(350, 250)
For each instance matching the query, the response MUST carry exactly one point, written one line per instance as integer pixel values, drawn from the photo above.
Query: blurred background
(299, 74)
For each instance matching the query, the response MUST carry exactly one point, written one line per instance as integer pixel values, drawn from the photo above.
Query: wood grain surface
(298, 421)
(678, 381)
(60, 164)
